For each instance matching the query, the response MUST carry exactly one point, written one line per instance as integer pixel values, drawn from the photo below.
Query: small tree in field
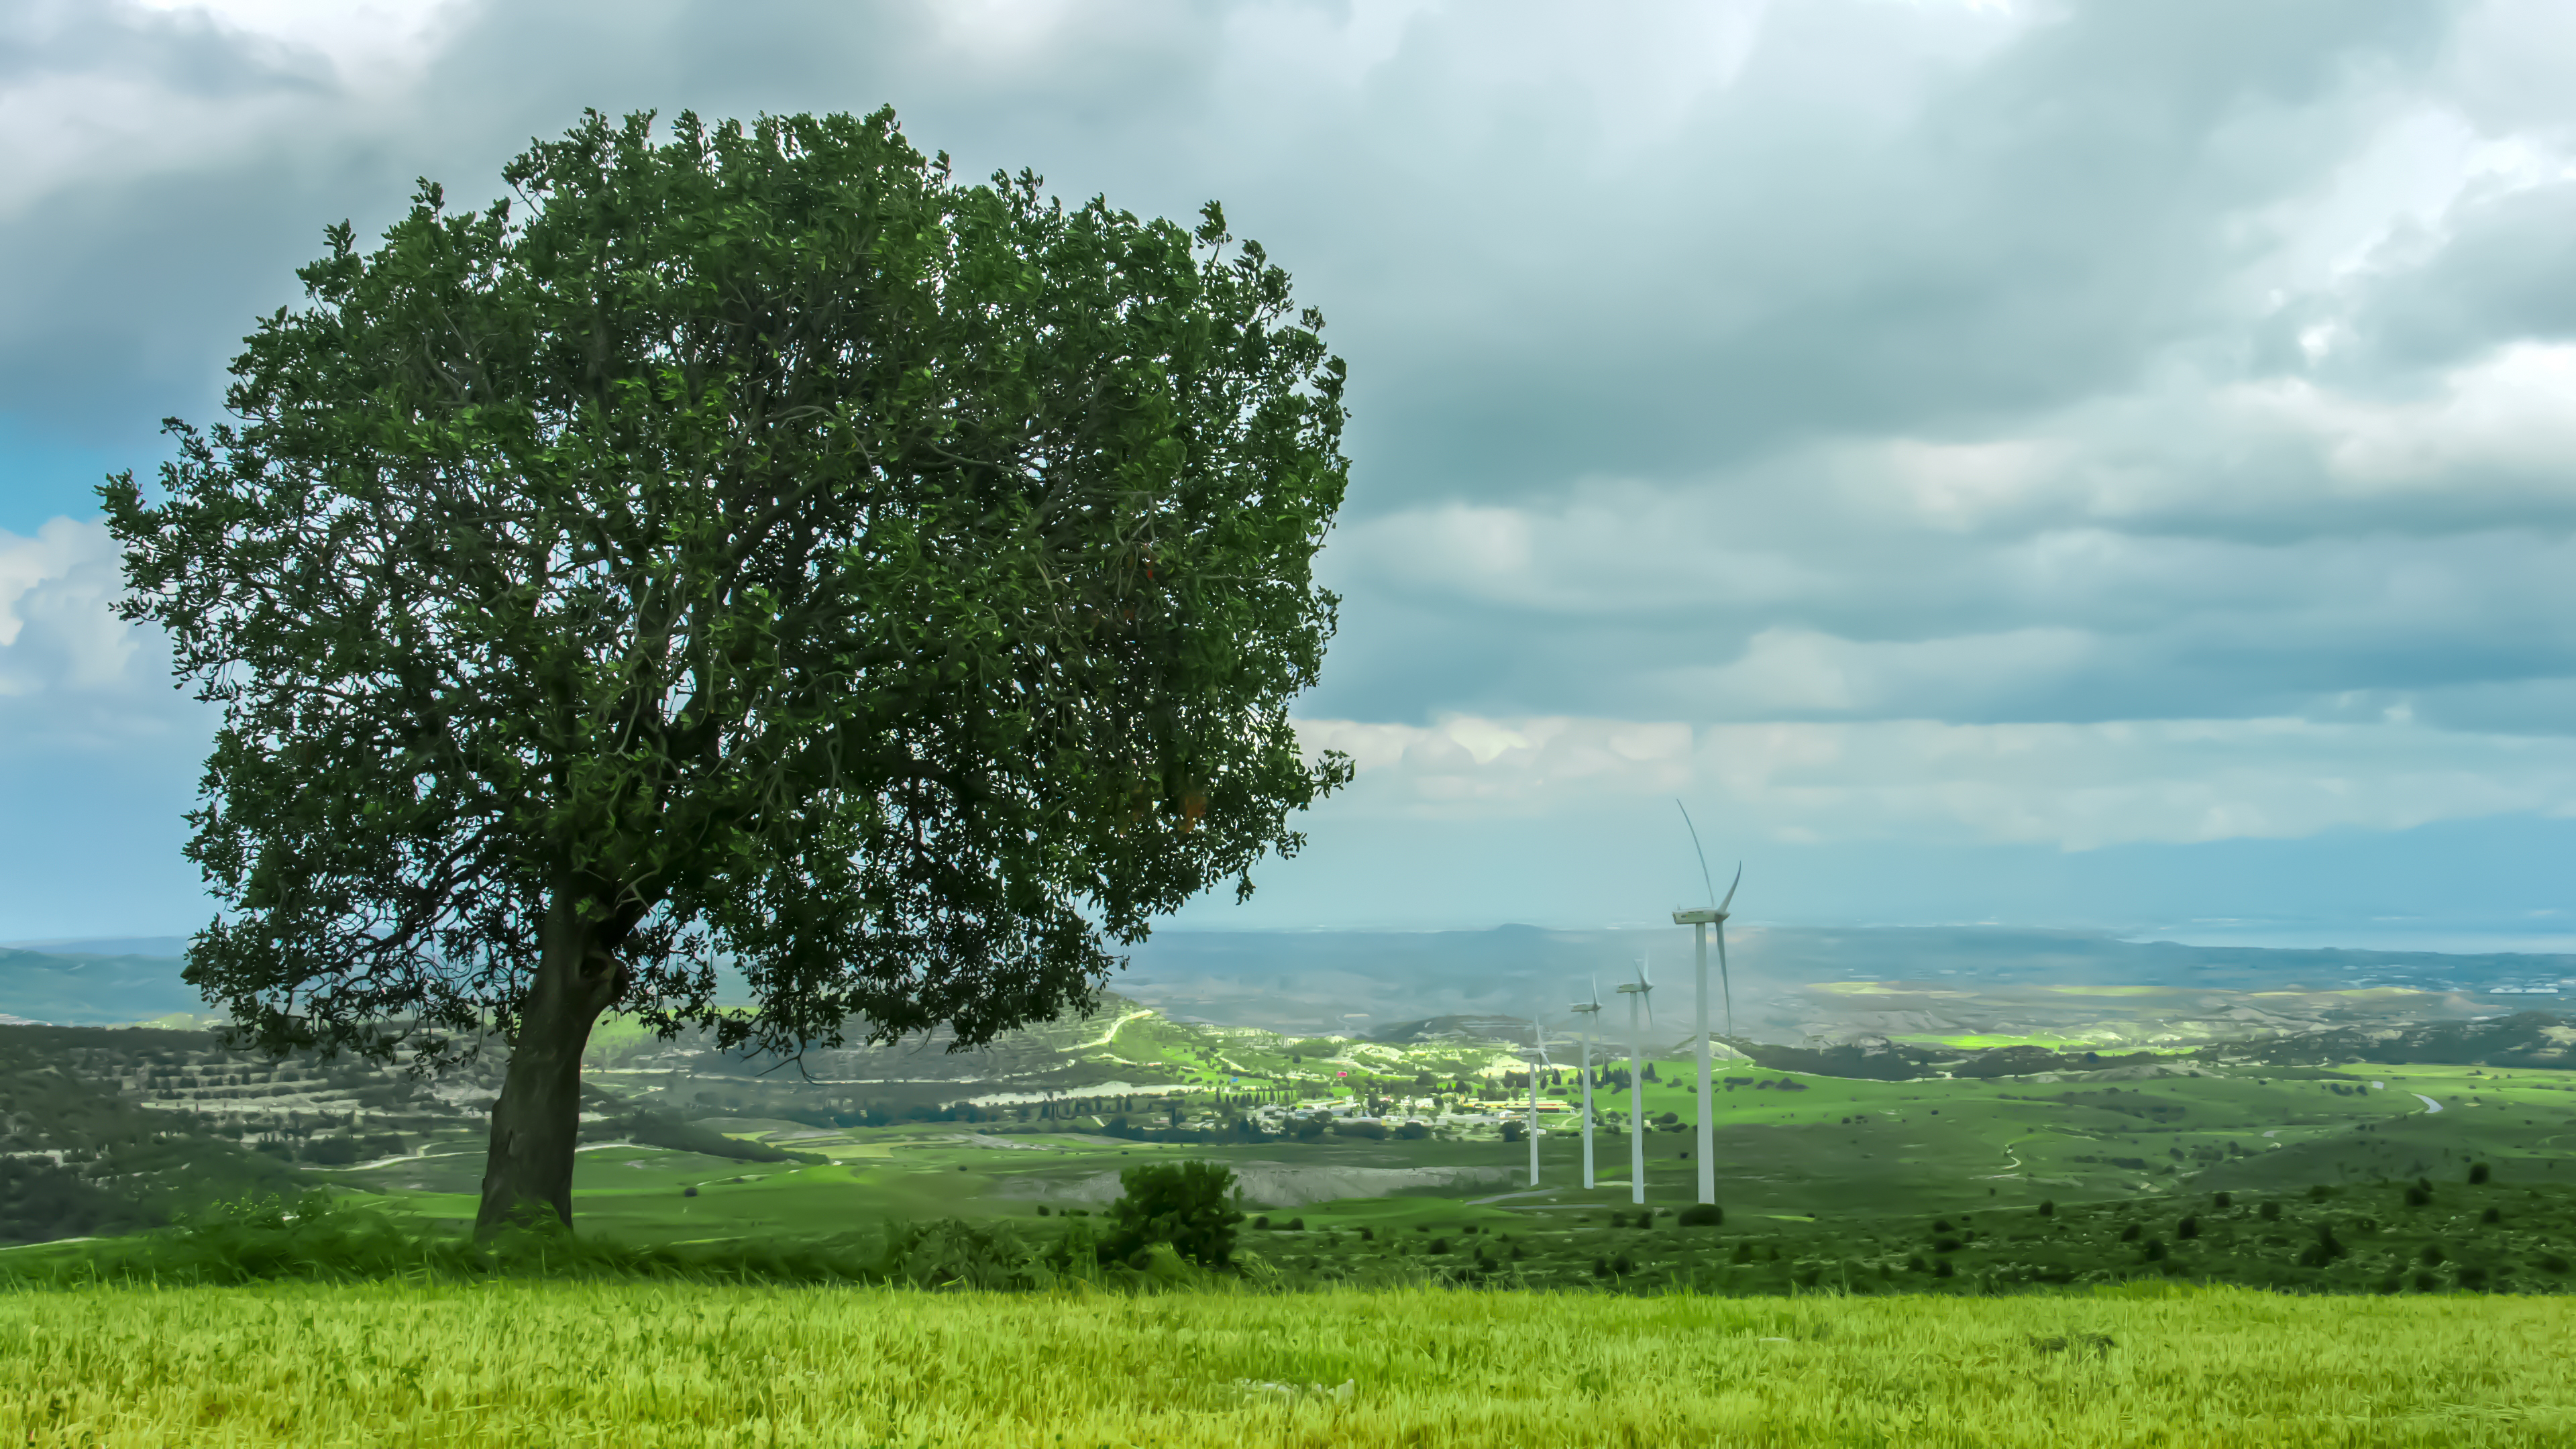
(1190, 1205)
(746, 545)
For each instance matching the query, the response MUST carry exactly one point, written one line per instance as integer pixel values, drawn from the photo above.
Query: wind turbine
(1699, 921)
(1637, 991)
(1536, 1056)
(1590, 1011)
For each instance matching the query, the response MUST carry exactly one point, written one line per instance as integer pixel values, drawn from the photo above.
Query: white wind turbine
(1638, 991)
(1699, 921)
(1536, 1056)
(1590, 1011)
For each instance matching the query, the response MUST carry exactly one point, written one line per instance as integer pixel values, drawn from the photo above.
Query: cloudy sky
(2108, 464)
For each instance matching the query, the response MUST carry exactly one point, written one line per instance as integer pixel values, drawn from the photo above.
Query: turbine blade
(1725, 984)
(1703, 855)
(1730, 888)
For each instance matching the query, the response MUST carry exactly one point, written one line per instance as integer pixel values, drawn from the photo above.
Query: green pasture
(1826, 1182)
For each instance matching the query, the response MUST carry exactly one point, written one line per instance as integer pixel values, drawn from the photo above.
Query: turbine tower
(1638, 991)
(1590, 1012)
(1699, 921)
(1536, 1056)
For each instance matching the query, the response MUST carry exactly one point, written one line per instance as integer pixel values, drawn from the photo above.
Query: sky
(2106, 465)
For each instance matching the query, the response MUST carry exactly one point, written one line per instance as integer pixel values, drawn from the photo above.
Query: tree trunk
(528, 1171)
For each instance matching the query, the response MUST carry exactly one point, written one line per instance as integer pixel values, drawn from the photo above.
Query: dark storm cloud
(1827, 363)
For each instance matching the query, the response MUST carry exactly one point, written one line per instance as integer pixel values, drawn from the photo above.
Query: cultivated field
(523, 1364)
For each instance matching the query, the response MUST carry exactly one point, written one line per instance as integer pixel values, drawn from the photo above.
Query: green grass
(650, 1365)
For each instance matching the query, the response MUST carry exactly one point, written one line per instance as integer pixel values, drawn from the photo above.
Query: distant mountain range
(1793, 985)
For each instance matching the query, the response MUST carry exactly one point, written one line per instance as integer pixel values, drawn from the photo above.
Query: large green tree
(745, 545)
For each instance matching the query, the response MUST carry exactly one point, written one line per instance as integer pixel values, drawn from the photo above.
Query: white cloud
(2076, 787)
(56, 631)
(104, 91)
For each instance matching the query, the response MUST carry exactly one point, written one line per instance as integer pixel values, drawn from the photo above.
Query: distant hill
(89, 988)
(2525, 1039)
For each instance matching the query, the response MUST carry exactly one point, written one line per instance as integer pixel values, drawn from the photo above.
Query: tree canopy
(744, 545)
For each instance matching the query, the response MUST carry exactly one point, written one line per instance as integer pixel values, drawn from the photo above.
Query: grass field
(535, 1364)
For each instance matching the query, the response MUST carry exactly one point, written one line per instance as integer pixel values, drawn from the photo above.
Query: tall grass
(518, 1363)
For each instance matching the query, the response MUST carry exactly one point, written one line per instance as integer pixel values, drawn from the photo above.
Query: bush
(1514, 1132)
(692, 1191)
(1702, 1215)
(1744, 1253)
(2432, 1255)
(1623, 1265)
(1942, 1269)
(333, 1150)
(2048, 1208)
(2269, 1212)
(2417, 1195)
(1440, 1245)
(2223, 1200)
(2551, 1263)
(2129, 1234)
(1188, 1205)
(2189, 1227)
(2491, 1215)
(1412, 1132)
(2478, 1174)
(1296, 1225)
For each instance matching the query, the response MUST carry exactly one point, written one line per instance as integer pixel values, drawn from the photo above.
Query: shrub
(692, 1191)
(1514, 1132)
(1743, 1253)
(333, 1150)
(2478, 1174)
(1296, 1225)
(1946, 1245)
(2189, 1227)
(2473, 1277)
(1368, 1235)
(2551, 1263)
(1600, 1267)
(1440, 1245)
(2491, 1215)
(1702, 1215)
(1261, 1223)
(2269, 1212)
(1623, 1265)
(2222, 1200)
(2048, 1208)
(2155, 1250)
(2426, 1282)
(2417, 1195)
(2319, 1192)
(2432, 1255)
(1412, 1132)
(1942, 1269)
(1185, 1204)
(2129, 1234)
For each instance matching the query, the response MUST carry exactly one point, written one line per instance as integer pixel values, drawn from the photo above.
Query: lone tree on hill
(749, 544)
